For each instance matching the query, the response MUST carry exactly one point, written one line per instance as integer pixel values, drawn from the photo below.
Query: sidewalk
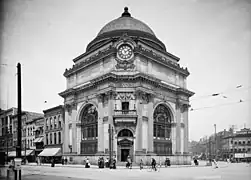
(201, 164)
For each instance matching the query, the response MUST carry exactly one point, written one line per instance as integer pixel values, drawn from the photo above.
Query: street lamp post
(110, 131)
(7, 145)
(215, 149)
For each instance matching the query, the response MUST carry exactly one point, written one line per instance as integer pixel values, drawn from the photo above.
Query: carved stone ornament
(125, 64)
(125, 55)
(125, 96)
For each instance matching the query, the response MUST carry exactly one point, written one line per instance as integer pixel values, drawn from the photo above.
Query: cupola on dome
(126, 22)
(129, 25)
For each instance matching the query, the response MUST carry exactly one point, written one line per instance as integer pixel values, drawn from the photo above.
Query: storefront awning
(51, 152)
(27, 153)
(23, 153)
(12, 154)
(40, 139)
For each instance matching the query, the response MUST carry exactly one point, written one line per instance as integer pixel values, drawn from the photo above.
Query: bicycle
(157, 168)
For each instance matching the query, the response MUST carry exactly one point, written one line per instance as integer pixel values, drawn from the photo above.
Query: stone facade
(137, 88)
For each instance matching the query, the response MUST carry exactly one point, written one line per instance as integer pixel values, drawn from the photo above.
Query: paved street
(225, 171)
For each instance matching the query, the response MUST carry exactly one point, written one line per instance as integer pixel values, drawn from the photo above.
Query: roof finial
(126, 13)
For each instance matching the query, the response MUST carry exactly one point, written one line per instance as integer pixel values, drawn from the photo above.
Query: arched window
(125, 133)
(89, 122)
(162, 130)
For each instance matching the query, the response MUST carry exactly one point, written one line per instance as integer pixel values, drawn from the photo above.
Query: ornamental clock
(125, 52)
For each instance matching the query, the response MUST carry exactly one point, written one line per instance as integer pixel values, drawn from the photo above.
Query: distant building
(28, 135)
(39, 135)
(6, 130)
(53, 132)
(240, 144)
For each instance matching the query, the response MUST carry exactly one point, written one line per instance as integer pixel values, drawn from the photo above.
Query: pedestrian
(106, 163)
(154, 164)
(215, 163)
(66, 160)
(129, 162)
(62, 161)
(114, 163)
(195, 162)
(52, 162)
(141, 164)
(167, 162)
(87, 163)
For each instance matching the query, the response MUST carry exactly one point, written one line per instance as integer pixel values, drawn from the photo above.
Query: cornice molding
(160, 59)
(95, 58)
(110, 77)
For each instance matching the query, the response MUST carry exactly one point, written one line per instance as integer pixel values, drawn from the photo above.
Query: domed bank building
(126, 79)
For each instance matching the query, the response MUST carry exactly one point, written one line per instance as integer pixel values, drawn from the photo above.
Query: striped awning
(51, 152)
(40, 139)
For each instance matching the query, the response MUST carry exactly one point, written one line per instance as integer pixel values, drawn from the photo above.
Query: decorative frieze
(125, 96)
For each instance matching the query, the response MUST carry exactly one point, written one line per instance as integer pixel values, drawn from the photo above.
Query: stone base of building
(93, 159)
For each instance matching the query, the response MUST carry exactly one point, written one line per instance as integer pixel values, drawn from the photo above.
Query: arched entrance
(125, 145)
(162, 130)
(89, 129)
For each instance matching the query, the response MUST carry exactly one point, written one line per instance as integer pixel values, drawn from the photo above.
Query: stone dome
(126, 22)
(129, 25)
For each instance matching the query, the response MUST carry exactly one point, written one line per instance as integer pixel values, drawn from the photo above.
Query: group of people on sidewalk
(141, 164)
(108, 163)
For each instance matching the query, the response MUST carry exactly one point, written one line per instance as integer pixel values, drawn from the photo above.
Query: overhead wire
(225, 104)
(221, 93)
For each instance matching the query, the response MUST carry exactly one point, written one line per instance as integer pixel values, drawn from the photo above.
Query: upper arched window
(89, 115)
(162, 130)
(162, 114)
(89, 128)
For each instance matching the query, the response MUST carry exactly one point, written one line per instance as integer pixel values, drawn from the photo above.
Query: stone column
(74, 128)
(150, 124)
(138, 144)
(186, 134)
(66, 132)
(79, 137)
(178, 141)
(100, 124)
(110, 108)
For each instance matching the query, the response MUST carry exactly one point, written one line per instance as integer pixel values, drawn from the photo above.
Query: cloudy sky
(212, 38)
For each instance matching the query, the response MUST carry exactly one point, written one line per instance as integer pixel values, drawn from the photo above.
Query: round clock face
(125, 52)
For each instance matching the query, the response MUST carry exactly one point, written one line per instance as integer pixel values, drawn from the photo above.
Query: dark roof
(53, 108)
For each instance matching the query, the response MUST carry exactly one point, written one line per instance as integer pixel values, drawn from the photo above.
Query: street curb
(118, 167)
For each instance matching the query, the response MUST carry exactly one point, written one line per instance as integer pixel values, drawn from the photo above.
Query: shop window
(59, 137)
(55, 138)
(51, 138)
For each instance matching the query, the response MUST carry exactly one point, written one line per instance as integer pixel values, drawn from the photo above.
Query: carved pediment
(125, 142)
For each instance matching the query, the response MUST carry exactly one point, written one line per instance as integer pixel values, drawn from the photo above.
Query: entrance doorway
(124, 154)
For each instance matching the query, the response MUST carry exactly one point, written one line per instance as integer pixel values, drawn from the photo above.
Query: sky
(212, 38)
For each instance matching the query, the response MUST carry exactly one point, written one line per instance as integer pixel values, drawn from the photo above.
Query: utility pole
(19, 125)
